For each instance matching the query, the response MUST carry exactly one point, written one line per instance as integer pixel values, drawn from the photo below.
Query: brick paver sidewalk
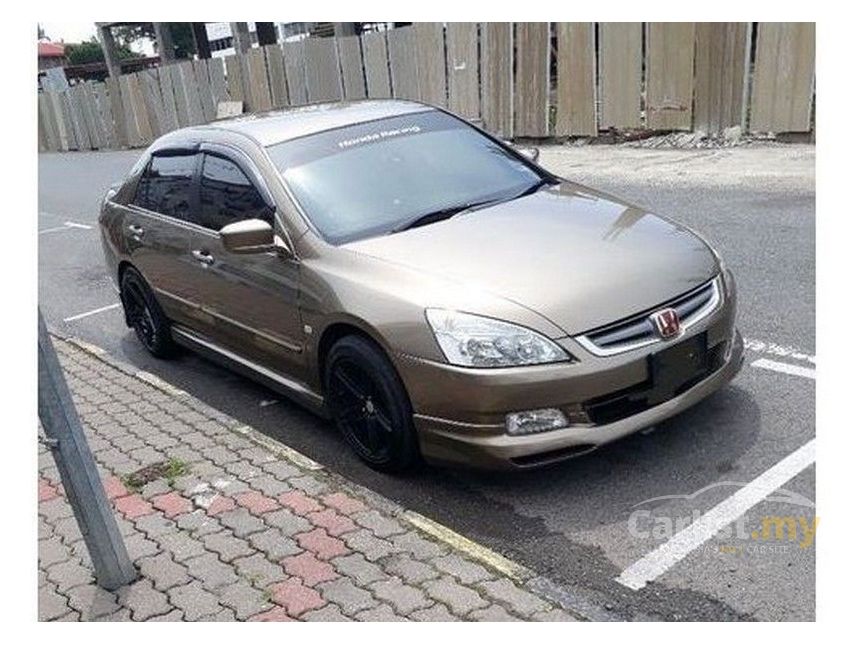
(224, 527)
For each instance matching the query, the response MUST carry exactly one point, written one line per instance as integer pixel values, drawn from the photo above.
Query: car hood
(578, 257)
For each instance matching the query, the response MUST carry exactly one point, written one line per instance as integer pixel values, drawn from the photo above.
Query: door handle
(203, 256)
(136, 230)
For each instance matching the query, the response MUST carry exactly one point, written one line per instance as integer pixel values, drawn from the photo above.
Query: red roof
(52, 50)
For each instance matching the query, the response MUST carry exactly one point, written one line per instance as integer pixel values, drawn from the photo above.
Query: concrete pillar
(164, 41)
(241, 37)
(201, 40)
(266, 33)
(345, 28)
(109, 49)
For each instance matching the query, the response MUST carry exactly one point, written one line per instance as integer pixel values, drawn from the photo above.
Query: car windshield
(376, 178)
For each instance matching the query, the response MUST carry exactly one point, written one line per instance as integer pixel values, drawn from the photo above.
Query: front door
(252, 298)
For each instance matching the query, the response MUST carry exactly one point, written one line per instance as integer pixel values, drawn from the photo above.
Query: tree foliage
(181, 32)
(90, 51)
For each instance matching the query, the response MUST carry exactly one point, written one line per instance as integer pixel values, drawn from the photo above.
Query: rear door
(253, 298)
(156, 229)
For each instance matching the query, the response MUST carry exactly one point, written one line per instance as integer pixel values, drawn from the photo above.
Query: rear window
(167, 186)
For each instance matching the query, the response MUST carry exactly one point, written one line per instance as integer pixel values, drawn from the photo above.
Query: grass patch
(169, 470)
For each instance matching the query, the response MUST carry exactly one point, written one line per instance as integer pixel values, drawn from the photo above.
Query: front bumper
(460, 412)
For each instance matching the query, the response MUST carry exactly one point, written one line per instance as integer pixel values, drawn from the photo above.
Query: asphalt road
(575, 522)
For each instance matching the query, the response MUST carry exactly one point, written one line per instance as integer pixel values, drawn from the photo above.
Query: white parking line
(90, 313)
(766, 347)
(656, 563)
(65, 227)
(785, 368)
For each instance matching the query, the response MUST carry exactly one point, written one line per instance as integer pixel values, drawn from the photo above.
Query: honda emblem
(666, 323)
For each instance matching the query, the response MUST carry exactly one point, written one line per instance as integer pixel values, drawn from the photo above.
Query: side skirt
(291, 389)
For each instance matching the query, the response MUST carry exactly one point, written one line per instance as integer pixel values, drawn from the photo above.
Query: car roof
(276, 126)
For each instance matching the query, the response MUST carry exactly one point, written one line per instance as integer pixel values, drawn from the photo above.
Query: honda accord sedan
(425, 285)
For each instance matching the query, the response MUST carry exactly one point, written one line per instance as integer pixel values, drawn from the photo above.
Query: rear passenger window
(167, 186)
(227, 195)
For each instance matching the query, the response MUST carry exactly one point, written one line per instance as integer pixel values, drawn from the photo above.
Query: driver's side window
(227, 195)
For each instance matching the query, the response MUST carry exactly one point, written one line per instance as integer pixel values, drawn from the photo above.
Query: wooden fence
(521, 79)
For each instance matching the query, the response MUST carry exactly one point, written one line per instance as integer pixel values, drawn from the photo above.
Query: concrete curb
(565, 598)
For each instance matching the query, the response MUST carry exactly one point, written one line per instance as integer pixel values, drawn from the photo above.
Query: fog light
(532, 421)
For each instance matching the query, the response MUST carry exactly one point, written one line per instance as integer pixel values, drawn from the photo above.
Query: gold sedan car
(430, 288)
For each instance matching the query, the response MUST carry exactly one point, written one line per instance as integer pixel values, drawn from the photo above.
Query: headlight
(475, 341)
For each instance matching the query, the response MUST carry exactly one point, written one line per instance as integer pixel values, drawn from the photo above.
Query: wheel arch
(340, 328)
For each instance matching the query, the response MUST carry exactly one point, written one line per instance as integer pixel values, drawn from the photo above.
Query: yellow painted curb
(280, 449)
(472, 549)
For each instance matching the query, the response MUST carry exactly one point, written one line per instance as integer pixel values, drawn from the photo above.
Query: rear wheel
(144, 315)
(370, 405)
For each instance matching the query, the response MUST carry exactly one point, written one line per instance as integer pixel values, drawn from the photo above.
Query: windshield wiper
(438, 215)
(540, 183)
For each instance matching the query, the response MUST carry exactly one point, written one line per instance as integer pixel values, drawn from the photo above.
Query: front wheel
(370, 405)
(144, 315)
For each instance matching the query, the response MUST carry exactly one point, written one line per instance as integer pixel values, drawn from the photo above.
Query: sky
(75, 32)
(69, 32)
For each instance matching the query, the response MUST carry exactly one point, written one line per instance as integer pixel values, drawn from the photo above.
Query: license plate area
(674, 368)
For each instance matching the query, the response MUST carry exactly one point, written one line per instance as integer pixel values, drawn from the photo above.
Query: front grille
(637, 331)
(640, 397)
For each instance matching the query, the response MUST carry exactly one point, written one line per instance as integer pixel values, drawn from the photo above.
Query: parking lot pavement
(229, 527)
(584, 523)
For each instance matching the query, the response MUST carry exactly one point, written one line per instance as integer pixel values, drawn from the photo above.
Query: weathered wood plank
(42, 135)
(66, 112)
(204, 89)
(294, 65)
(669, 75)
(531, 83)
(144, 126)
(403, 56)
(235, 88)
(620, 86)
(153, 102)
(98, 135)
(722, 59)
(48, 122)
(191, 93)
(277, 75)
(76, 115)
(120, 128)
(463, 97)
(258, 80)
(321, 68)
(168, 98)
(133, 135)
(180, 96)
(218, 81)
(430, 54)
(576, 90)
(100, 90)
(497, 77)
(783, 77)
(351, 67)
(375, 47)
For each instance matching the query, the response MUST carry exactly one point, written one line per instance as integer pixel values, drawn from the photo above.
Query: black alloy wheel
(369, 404)
(144, 316)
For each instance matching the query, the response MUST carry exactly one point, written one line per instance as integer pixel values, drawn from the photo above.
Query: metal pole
(78, 471)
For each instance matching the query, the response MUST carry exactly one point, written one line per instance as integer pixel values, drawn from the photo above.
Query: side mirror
(248, 236)
(530, 153)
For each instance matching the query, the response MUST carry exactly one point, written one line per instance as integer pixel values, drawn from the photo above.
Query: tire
(370, 406)
(145, 316)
